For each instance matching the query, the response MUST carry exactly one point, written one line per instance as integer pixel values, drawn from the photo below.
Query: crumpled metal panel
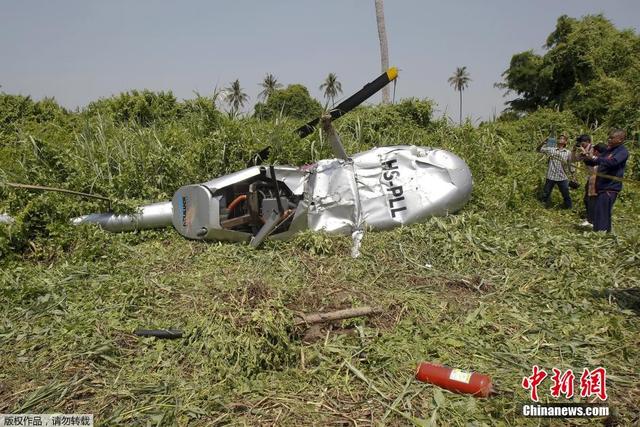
(292, 177)
(395, 186)
(232, 178)
(330, 195)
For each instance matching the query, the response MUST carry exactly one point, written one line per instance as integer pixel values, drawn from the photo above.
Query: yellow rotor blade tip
(392, 73)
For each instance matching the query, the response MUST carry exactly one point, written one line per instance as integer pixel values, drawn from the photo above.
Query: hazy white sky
(81, 50)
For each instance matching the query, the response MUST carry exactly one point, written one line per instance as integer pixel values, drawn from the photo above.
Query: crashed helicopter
(378, 189)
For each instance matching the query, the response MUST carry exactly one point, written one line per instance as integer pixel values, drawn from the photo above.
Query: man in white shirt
(556, 174)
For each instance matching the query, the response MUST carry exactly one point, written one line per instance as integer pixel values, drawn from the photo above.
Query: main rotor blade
(353, 101)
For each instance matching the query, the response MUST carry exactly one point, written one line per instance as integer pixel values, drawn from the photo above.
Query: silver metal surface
(291, 176)
(157, 215)
(195, 211)
(395, 186)
(330, 195)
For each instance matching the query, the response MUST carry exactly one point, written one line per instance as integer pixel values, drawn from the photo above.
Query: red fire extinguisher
(455, 380)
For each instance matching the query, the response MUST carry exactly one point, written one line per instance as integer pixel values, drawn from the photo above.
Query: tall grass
(498, 287)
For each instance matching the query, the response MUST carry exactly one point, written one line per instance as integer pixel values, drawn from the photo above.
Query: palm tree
(384, 49)
(235, 97)
(269, 84)
(460, 81)
(331, 86)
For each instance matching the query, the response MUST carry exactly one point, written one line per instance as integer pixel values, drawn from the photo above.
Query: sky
(81, 50)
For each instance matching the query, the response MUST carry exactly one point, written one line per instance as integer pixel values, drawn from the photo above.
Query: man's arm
(586, 155)
(555, 154)
(620, 156)
(539, 147)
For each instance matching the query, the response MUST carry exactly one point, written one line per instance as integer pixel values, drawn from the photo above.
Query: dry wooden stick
(313, 318)
(59, 190)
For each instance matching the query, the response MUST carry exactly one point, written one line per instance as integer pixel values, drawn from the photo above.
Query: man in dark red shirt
(611, 166)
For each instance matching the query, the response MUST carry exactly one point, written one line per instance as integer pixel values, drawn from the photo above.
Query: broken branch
(313, 318)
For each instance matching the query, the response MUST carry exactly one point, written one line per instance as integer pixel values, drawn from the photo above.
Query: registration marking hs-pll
(396, 204)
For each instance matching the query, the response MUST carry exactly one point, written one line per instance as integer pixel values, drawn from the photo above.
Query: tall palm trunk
(384, 50)
(460, 105)
(460, 80)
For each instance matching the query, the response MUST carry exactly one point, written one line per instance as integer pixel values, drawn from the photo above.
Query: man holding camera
(610, 173)
(556, 174)
(587, 150)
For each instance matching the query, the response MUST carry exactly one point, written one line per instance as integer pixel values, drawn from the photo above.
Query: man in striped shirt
(556, 175)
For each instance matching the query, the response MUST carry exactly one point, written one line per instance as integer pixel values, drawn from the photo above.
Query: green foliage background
(294, 102)
(589, 67)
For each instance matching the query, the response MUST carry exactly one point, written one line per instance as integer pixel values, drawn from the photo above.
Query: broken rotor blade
(268, 227)
(259, 157)
(353, 101)
(333, 137)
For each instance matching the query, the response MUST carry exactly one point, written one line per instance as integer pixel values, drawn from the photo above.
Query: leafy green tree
(589, 67)
(332, 87)
(15, 110)
(294, 101)
(269, 84)
(143, 107)
(235, 97)
(202, 110)
(460, 81)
